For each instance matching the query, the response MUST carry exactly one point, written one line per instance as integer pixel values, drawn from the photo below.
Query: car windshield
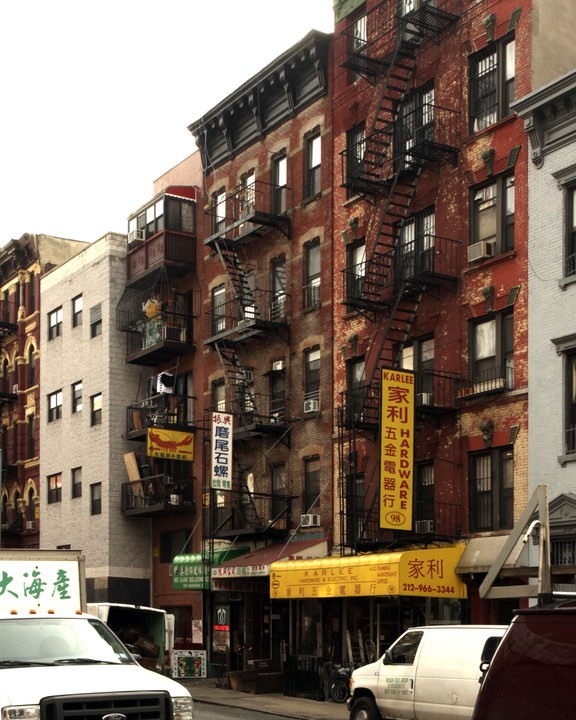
(53, 640)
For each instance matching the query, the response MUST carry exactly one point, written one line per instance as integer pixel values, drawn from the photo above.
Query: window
(219, 210)
(312, 172)
(359, 39)
(96, 320)
(279, 181)
(355, 148)
(31, 436)
(279, 493)
(31, 367)
(418, 356)
(174, 543)
(492, 490)
(55, 406)
(219, 396)
(54, 323)
(416, 120)
(312, 484)
(571, 403)
(77, 397)
(96, 409)
(311, 380)
(31, 294)
(77, 311)
(355, 270)
(218, 309)
(278, 271)
(492, 353)
(356, 390)
(312, 275)
(54, 488)
(424, 505)
(96, 499)
(6, 306)
(416, 245)
(277, 396)
(404, 652)
(248, 195)
(491, 84)
(571, 233)
(180, 215)
(493, 216)
(77, 482)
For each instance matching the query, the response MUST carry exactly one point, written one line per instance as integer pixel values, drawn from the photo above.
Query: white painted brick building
(91, 352)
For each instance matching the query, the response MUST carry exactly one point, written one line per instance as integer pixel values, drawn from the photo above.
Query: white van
(427, 674)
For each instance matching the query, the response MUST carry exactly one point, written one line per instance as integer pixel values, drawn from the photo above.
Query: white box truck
(58, 661)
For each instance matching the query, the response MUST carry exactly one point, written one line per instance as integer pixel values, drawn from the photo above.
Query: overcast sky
(97, 97)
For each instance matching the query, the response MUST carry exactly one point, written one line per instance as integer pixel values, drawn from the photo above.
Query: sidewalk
(205, 691)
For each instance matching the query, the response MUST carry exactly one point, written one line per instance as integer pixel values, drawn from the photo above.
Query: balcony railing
(441, 520)
(157, 495)
(252, 514)
(370, 165)
(254, 313)
(150, 340)
(170, 249)
(255, 413)
(366, 47)
(161, 411)
(496, 379)
(248, 210)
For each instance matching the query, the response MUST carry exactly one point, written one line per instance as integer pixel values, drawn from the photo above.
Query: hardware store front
(350, 609)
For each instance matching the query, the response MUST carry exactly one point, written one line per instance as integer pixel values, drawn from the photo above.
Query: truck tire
(364, 709)
(339, 690)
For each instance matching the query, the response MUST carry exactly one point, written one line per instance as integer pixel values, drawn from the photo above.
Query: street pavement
(205, 691)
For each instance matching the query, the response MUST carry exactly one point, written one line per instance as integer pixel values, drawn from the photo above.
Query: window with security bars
(491, 84)
(415, 120)
(491, 490)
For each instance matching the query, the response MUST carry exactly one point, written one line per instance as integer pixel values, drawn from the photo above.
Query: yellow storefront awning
(424, 572)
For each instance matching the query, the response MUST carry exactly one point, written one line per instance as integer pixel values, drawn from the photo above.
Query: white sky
(97, 97)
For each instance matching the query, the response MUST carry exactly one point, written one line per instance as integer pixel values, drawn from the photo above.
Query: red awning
(257, 562)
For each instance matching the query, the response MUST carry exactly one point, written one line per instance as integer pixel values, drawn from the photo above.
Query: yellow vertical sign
(396, 449)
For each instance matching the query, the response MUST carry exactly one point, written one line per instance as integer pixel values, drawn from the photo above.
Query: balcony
(173, 250)
(428, 134)
(157, 495)
(255, 414)
(421, 264)
(252, 514)
(438, 521)
(487, 382)
(170, 412)
(8, 324)
(366, 48)
(249, 211)
(243, 318)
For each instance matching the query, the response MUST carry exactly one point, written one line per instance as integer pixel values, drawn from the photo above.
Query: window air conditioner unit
(14, 389)
(30, 525)
(278, 365)
(310, 520)
(424, 399)
(311, 406)
(424, 526)
(136, 236)
(246, 376)
(481, 250)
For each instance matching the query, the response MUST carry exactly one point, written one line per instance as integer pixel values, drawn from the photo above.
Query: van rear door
(395, 697)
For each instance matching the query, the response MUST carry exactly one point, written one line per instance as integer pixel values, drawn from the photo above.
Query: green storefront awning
(192, 571)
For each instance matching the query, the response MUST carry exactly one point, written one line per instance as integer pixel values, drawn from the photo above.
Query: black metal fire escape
(385, 167)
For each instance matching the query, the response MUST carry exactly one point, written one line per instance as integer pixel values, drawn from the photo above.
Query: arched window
(31, 367)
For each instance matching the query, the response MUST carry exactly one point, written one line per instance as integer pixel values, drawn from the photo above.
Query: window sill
(473, 136)
(564, 282)
(308, 200)
(489, 261)
(565, 459)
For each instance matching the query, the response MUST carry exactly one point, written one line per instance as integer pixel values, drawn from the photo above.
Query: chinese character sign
(396, 449)
(39, 585)
(221, 451)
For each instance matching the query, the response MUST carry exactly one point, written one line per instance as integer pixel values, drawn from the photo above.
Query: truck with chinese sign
(48, 642)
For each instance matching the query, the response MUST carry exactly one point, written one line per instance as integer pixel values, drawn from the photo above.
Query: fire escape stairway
(238, 377)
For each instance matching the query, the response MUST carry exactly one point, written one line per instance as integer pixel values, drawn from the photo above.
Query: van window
(404, 651)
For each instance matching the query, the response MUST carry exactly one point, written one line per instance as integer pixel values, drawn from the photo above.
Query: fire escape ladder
(237, 274)
(239, 376)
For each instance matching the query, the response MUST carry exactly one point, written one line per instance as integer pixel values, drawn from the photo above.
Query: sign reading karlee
(396, 449)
